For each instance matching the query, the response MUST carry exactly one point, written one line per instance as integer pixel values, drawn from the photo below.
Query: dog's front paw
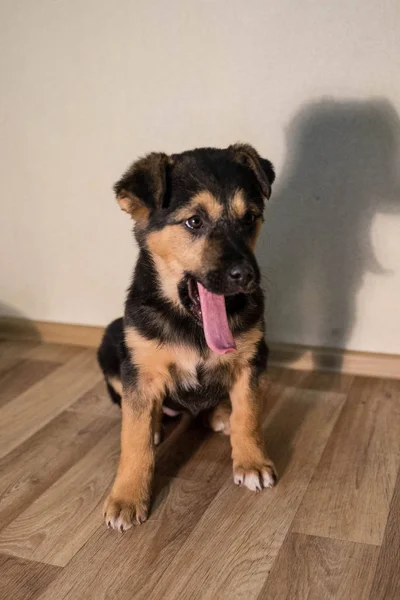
(255, 477)
(120, 514)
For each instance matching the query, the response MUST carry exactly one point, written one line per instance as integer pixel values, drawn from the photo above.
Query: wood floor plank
(233, 548)
(313, 380)
(59, 353)
(315, 536)
(312, 568)
(12, 353)
(25, 374)
(24, 580)
(350, 493)
(35, 465)
(193, 451)
(284, 377)
(56, 525)
(127, 566)
(386, 585)
(326, 381)
(23, 416)
(97, 401)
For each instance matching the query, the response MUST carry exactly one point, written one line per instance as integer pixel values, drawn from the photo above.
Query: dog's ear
(143, 188)
(261, 167)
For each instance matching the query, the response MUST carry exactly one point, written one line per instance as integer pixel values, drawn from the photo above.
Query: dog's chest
(195, 373)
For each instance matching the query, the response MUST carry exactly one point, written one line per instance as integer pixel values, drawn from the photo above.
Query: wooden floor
(330, 529)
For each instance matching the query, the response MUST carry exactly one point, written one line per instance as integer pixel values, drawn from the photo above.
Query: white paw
(256, 477)
(120, 514)
(221, 425)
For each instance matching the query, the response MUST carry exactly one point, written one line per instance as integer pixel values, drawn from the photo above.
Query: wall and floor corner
(89, 86)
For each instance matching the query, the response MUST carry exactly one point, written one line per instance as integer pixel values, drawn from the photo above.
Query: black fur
(164, 184)
(111, 354)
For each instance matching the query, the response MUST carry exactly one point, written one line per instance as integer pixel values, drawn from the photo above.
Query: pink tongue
(215, 322)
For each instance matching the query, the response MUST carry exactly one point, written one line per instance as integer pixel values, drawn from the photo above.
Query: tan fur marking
(176, 246)
(245, 350)
(238, 204)
(133, 206)
(135, 435)
(152, 358)
(175, 251)
(246, 436)
(204, 199)
(125, 203)
(186, 361)
(219, 418)
(130, 495)
(251, 465)
(246, 343)
(210, 204)
(154, 362)
(116, 384)
(254, 238)
(239, 207)
(170, 276)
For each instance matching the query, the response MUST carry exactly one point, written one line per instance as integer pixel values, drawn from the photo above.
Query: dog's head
(199, 214)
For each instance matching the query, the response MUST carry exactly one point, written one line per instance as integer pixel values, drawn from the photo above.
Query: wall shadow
(15, 325)
(316, 247)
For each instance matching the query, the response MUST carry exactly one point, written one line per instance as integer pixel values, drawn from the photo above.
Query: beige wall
(88, 85)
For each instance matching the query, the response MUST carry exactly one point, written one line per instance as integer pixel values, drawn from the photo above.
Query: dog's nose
(242, 274)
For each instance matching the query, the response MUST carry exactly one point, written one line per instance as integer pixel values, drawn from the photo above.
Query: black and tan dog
(193, 333)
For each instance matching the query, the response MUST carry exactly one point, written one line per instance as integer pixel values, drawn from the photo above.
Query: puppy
(192, 337)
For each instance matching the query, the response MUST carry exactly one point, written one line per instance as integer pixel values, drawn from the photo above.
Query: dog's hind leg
(110, 355)
(219, 419)
(114, 388)
(157, 423)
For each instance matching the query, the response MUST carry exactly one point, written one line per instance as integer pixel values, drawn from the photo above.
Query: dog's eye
(194, 222)
(249, 218)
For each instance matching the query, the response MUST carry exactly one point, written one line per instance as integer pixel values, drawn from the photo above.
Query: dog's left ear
(263, 170)
(143, 188)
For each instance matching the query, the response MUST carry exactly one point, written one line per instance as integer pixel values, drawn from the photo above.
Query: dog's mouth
(210, 312)
(194, 297)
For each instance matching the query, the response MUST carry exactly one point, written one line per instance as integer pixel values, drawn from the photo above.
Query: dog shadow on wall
(316, 245)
